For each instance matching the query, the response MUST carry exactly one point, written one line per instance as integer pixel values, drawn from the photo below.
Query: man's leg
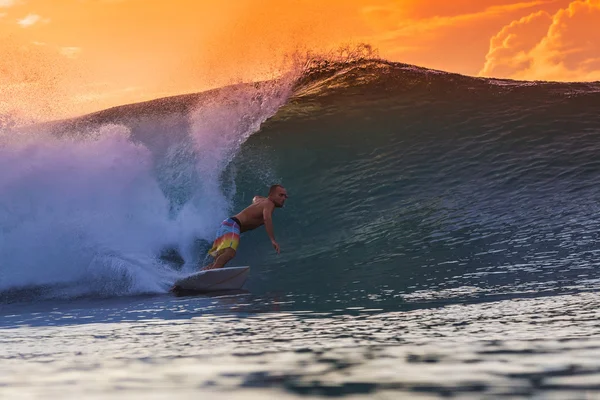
(222, 258)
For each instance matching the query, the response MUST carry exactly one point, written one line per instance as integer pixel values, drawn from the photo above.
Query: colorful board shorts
(228, 236)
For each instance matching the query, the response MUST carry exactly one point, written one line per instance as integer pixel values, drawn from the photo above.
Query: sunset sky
(66, 57)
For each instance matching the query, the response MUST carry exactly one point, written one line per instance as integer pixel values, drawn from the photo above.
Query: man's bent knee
(224, 257)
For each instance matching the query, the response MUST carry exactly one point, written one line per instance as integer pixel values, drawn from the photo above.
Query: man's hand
(275, 246)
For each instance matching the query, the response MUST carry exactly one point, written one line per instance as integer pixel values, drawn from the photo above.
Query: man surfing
(256, 214)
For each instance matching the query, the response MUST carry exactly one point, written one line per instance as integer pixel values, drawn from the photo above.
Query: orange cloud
(509, 48)
(30, 19)
(417, 26)
(450, 36)
(7, 3)
(561, 47)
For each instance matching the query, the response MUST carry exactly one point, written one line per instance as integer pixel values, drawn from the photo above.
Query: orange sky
(66, 57)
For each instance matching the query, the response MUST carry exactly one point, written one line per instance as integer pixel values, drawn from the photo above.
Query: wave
(90, 204)
(401, 178)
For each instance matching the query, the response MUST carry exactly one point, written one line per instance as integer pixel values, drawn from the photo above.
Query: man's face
(279, 197)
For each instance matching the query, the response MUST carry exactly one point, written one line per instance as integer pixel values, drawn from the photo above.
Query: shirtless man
(253, 216)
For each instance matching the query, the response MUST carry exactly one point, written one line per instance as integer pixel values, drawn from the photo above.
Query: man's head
(278, 195)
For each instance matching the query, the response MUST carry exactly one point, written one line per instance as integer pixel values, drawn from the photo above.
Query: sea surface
(440, 240)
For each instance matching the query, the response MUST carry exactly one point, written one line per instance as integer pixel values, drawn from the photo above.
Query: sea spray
(218, 127)
(89, 209)
(70, 208)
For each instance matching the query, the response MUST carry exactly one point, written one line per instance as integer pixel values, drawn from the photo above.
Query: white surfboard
(231, 278)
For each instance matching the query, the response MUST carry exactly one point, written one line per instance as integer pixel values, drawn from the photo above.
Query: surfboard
(229, 278)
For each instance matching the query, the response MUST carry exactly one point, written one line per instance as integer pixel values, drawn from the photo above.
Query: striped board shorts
(228, 236)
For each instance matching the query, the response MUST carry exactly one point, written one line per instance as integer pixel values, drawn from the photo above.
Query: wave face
(433, 185)
(402, 180)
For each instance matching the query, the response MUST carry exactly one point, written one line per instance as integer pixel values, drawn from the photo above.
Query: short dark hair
(274, 187)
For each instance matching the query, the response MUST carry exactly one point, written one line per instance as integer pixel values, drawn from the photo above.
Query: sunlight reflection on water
(546, 346)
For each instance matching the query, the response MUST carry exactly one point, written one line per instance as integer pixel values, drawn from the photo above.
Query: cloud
(31, 19)
(417, 26)
(505, 8)
(563, 47)
(7, 3)
(508, 49)
(70, 52)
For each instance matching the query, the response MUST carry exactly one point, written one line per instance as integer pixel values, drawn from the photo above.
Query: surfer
(256, 214)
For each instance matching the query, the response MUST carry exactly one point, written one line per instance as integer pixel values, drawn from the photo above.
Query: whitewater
(440, 239)
(89, 207)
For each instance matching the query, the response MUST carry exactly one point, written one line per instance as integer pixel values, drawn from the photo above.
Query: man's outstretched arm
(267, 216)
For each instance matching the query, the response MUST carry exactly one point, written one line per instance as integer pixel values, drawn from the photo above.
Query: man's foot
(175, 288)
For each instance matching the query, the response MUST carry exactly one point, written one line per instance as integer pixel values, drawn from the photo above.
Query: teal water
(439, 240)
(421, 181)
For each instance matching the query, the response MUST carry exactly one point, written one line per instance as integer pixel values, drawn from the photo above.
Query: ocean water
(440, 240)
